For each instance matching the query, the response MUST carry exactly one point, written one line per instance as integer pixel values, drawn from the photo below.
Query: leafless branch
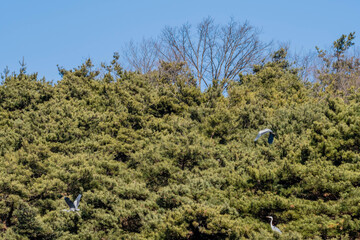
(211, 51)
(143, 56)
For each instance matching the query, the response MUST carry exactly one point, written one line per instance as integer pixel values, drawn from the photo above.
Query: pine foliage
(156, 158)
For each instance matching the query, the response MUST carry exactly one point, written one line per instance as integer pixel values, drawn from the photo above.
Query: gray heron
(73, 205)
(275, 229)
(262, 132)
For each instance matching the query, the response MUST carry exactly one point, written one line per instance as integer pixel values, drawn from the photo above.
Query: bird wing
(257, 137)
(271, 138)
(69, 202)
(262, 132)
(77, 201)
(276, 229)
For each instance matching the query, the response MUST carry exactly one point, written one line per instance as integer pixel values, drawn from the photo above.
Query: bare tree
(235, 50)
(306, 63)
(143, 56)
(339, 69)
(180, 45)
(211, 51)
(214, 51)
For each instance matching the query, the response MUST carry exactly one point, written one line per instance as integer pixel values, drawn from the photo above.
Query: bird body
(262, 132)
(274, 228)
(74, 206)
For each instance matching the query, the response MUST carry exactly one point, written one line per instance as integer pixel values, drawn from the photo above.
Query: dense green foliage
(156, 158)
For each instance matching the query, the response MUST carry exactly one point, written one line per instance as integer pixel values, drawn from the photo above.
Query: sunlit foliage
(156, 158)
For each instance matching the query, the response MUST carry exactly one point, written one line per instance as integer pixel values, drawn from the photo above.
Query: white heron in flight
(262, 132)
(73, 205)
(275, 229)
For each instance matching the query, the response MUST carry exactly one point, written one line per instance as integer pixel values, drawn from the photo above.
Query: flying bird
(262, 132)
(275, 229)
(73, 205)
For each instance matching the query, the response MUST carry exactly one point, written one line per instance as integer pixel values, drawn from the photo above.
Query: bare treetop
(142, 57)
(211, 51)
(214, 51)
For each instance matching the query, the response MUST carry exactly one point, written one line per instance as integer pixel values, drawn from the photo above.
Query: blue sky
(47, 33)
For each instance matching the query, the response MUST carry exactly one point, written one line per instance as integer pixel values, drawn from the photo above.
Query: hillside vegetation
(157, 158)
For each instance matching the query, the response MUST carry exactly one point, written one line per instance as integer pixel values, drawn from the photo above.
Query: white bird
(275, 229)
(73, 205)
(262, 132)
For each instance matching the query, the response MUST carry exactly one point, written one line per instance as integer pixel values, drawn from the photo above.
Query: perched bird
(275, 229)
(262, 132)
(73, 205)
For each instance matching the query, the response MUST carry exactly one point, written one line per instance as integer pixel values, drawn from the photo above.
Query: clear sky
(51, 32)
